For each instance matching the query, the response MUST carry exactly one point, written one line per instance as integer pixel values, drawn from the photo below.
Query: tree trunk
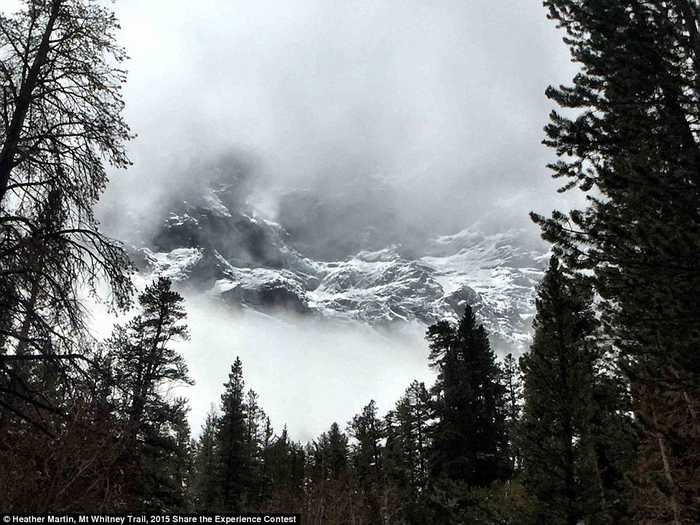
(667, 471)
(23, 102)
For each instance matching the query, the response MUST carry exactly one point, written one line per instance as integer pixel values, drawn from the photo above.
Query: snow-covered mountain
(208, 243)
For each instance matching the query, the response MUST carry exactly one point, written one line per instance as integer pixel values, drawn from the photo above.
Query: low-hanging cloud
(307, 372)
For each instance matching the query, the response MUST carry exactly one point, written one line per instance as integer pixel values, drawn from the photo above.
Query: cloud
(307, 372)
(442, 100)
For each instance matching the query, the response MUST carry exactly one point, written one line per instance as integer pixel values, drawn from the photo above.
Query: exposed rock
(250, 262)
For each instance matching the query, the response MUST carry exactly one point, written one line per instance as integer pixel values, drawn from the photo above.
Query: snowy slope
(249, 262)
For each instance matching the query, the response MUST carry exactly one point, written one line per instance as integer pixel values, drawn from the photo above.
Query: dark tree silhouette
(232, 443)
(558, 373)
(145, 363)
(633, 147)
(60, 119)
(469, 443)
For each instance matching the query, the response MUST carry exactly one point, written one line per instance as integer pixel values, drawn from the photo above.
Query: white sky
(443, 99)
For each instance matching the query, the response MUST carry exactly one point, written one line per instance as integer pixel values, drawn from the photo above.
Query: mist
(308, 373)
(442, 102)
(420, 118)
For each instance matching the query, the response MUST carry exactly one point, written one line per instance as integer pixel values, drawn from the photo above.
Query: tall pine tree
(366, 456)
(469, 442)
(556, 430)
(511, 379)
(634, 147)
(232, 443)
(407, 453)
(145, 363)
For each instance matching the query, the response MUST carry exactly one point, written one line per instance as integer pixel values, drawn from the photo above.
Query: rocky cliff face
(208, 243)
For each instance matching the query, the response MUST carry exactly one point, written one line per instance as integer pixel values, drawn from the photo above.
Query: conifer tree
(407, 451)
(558, 376)
(634, 147)
(366, 458)
(61, 107)
(258, 433)
(613, 443)
(61, 104)
(144, 360)
(165, 459)
(330, 496)
(232, 443)
(205, 487)
(285, 462)
(144, 364)
(332, 453)
(511, 379)
(469, 443)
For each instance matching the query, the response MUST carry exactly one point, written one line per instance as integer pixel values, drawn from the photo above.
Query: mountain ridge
(246, 261)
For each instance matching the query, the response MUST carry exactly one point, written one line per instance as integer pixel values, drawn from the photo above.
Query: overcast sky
(442, 100)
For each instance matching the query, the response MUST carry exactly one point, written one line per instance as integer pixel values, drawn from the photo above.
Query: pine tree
(407, 452)
(511, 380)
(285, 462)
(558, 376)
(613, 444)
(366, 459)
(205, 487)
(469, 443)
(60, 93)
(330, 497)
(332, 452)
(258, 431)
(60, 97)
(165, 459)
(232, 443)
(634, 147)
(38, 330)
(144, 360)
(144, 364)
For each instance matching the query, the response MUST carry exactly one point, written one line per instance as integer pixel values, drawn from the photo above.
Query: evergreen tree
(559, 376)
(232, 443)
(469, 443)
(39, 329)
(61, 106)
(60, 97)
(258, 432)
(285, 462)
(264, 479)
(332, 453)
(407, 452)
(205, 488)
(144, 365)
(144, 360)
(511, 379)
(330, 497)
(613, 443)
(366, 458)
(165, 459)
(634, 147)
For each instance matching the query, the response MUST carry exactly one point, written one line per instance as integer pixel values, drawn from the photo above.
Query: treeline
(551, 439)
(437, 455)
(597, 423)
